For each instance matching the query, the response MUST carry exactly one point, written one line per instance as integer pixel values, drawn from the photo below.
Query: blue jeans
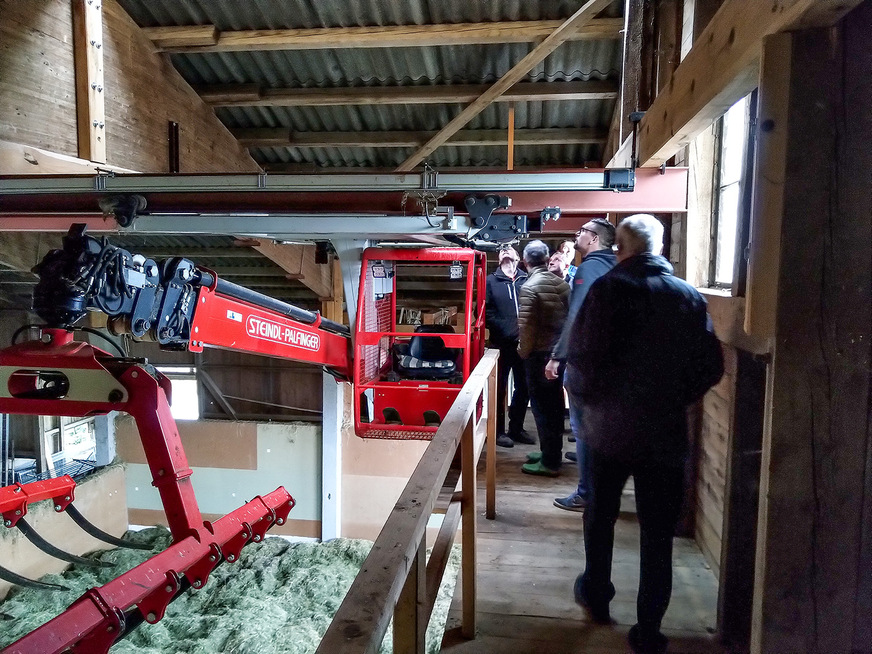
(582, 451)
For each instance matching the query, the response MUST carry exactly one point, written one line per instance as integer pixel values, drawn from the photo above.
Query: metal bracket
(503, 227)
(480, 209)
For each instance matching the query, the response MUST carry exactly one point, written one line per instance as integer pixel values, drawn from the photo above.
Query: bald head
(640, 233)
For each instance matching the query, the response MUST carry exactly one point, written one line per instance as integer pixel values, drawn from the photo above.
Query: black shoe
(647, 641)
(597, 612)
(571, 439)
(503, 440)
(572, 456)
(523, 437)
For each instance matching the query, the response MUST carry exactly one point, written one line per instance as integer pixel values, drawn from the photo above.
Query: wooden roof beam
(299, 262)
(271, 137)
(721, 68)
(251, 95)
(206, 38)
(554, 40)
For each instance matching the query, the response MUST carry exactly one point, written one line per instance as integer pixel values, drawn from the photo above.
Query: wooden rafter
(252, 95)
(721, 68)
(299, 262)
(562, 33)
(207, 38)
(270, 137)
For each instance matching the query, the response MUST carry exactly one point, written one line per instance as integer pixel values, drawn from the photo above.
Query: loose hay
(278, 598)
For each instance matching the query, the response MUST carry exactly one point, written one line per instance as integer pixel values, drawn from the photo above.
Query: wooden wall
(101, 499)
(142, 93)
(713, 448)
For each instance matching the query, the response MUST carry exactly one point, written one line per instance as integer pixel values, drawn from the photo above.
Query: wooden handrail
(360, 623)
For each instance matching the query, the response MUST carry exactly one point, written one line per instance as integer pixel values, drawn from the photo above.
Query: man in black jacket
(501, 320)
(643, 352)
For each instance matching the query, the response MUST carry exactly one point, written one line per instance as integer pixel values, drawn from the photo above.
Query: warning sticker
(284, 334)
(232, 315)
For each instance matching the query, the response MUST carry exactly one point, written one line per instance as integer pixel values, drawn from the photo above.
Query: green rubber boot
(538, 469)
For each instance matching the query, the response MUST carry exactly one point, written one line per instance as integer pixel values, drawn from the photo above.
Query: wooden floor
(529, 557)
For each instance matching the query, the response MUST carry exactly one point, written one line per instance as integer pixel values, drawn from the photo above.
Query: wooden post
(510, 154)
(410, 625)
(88, 58)
(468, 521)
(813, 585)
(491, 459)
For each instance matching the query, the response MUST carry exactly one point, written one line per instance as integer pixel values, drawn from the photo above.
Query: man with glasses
(594, 242)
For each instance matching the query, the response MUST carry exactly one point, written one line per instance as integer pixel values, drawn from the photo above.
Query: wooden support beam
(299, 261)
(813, 572)
(207, 38)
(572, 25)
(721, 68)
(332, 309)
(252, 95)
(88, 62)
(510, 149)
(271, 137)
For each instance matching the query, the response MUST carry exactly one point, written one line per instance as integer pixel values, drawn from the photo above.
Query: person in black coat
(644, 351)
(501, 320)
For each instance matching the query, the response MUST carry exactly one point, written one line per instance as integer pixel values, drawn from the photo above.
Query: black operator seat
(426, 357)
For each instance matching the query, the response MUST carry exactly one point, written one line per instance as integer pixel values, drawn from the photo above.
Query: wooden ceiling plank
(583, 16)
(250, 95)
(191, 39)
(396, 139)
(721, 68)
(88, 64)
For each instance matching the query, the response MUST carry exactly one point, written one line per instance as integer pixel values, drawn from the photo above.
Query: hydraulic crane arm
(179, 305)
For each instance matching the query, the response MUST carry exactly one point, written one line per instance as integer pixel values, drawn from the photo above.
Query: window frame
(743, 207)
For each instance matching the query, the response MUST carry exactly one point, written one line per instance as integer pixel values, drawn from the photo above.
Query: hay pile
(278, 598)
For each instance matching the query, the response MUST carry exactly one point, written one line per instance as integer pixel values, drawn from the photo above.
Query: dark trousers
(510, 361)
(546, 400)
(659, 491)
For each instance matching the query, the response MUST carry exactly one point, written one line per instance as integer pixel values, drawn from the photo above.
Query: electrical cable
(21, 329)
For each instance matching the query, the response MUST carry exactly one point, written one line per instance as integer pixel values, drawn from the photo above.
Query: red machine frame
(410, 397)
(59, 376)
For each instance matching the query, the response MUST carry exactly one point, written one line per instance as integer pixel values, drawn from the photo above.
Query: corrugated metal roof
(432, 65)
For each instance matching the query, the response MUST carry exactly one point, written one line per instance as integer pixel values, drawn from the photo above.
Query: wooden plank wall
(37, 84)
(271, 383)
(713, 451)
(280, 389)
(143, 92)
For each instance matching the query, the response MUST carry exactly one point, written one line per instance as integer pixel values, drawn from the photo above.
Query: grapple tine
(51, 550)
(99, 534)
(18, 580)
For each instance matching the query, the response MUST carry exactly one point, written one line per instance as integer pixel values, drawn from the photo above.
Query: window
(728, 197)
(69, 439)
(185, 398)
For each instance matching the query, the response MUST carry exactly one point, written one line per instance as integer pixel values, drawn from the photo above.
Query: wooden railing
(396, 580)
